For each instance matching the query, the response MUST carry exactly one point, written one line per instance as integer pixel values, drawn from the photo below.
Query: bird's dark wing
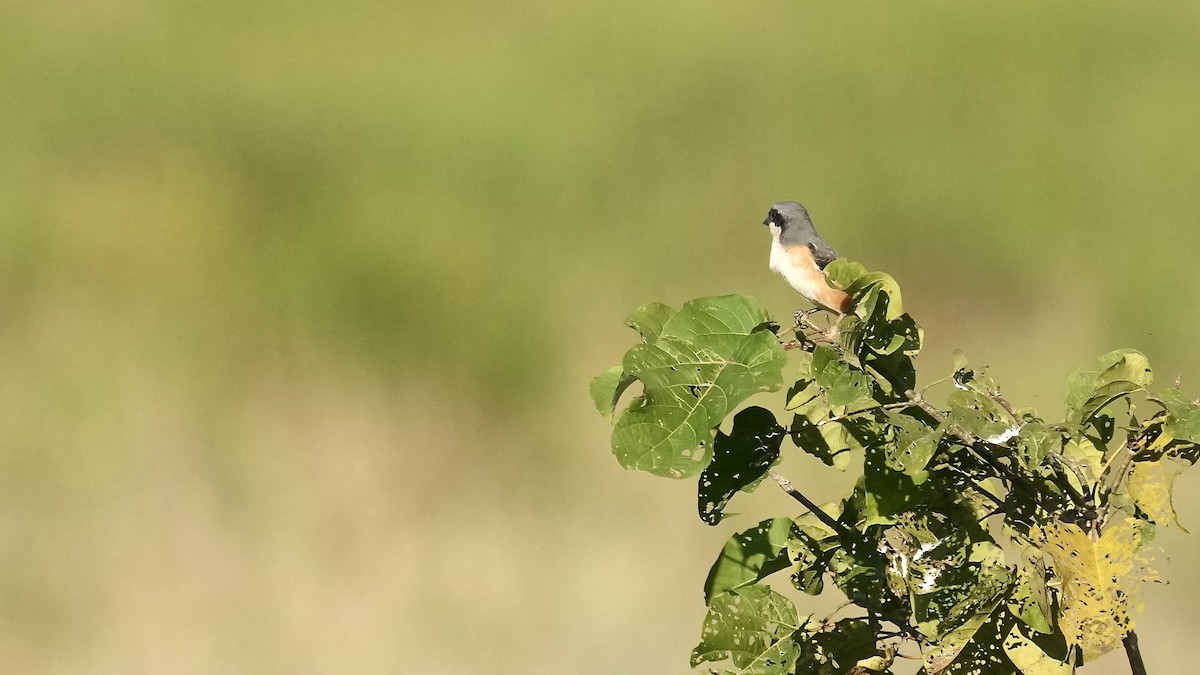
(823, 253)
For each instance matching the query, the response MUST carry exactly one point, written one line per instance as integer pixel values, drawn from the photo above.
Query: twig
(825, 518)
(796, 344)
(935, 383)
(1104, 469)
(996, 396)
(846, 416)
(837, 609)
(953, 428)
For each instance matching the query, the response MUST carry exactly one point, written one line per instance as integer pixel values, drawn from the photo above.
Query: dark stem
(1135, 655)
(825, 518)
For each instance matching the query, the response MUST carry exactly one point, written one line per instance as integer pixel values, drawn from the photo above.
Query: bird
(801, 255)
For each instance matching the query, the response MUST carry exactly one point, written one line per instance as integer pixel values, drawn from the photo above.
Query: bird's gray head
(792, 219)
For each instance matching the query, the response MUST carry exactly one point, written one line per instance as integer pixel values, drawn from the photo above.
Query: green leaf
(947, 591)
(979, 415)
(809, 546)
(749, 557)
(728, 316)
(974, 648)
(752, 628)
(806, 396)
(830, 442)
(888, 492)
(1183, 415)
(860, 571)
(1029, 600)
(843, 385)
(607, 388)
(914, 445)
(845, 273)
(840, 649)
(1082, 454)
(740, 460)
(648, 320)
(1121, 372)
(709, 357)
(866, 288)
(1037, 441)
(894, 373)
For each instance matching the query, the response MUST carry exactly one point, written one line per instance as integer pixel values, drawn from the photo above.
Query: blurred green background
(299, 303)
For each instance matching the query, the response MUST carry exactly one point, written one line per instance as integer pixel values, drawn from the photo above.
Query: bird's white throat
(779, 258)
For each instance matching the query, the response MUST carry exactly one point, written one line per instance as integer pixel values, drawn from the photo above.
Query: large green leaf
(1036, 442)
(740, 460)
(752, 628)
(748, 557)
(708, 358)
(1030, 600)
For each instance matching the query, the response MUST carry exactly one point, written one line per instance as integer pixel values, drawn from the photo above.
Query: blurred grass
(298, 303)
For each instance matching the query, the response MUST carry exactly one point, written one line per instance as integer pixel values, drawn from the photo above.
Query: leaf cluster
(978, 534)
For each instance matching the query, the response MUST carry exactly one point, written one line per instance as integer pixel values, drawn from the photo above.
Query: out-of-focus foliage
(289, 292)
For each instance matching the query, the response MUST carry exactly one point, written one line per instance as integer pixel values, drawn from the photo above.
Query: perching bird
(800, 255)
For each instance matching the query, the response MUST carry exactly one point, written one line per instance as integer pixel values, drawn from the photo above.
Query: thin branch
(796, 344)
(825, 518)
(953, 428)
(837, 609)
(935, 383)
(846, 416)
(996, 396)
(1104, 469)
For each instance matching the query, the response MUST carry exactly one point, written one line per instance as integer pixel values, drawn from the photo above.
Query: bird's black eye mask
(773, 217)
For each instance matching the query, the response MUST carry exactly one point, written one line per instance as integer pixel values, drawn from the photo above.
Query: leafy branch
(1052, 583)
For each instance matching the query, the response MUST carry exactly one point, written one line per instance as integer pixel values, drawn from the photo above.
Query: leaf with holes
(752, 629)
(749, 557)
(1101, 581)
(708, 358)
(740, 460)
(1150, 485)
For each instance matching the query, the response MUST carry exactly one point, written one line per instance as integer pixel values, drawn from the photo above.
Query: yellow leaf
(1030, 659)
(1150, 485)
(1100, 580)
